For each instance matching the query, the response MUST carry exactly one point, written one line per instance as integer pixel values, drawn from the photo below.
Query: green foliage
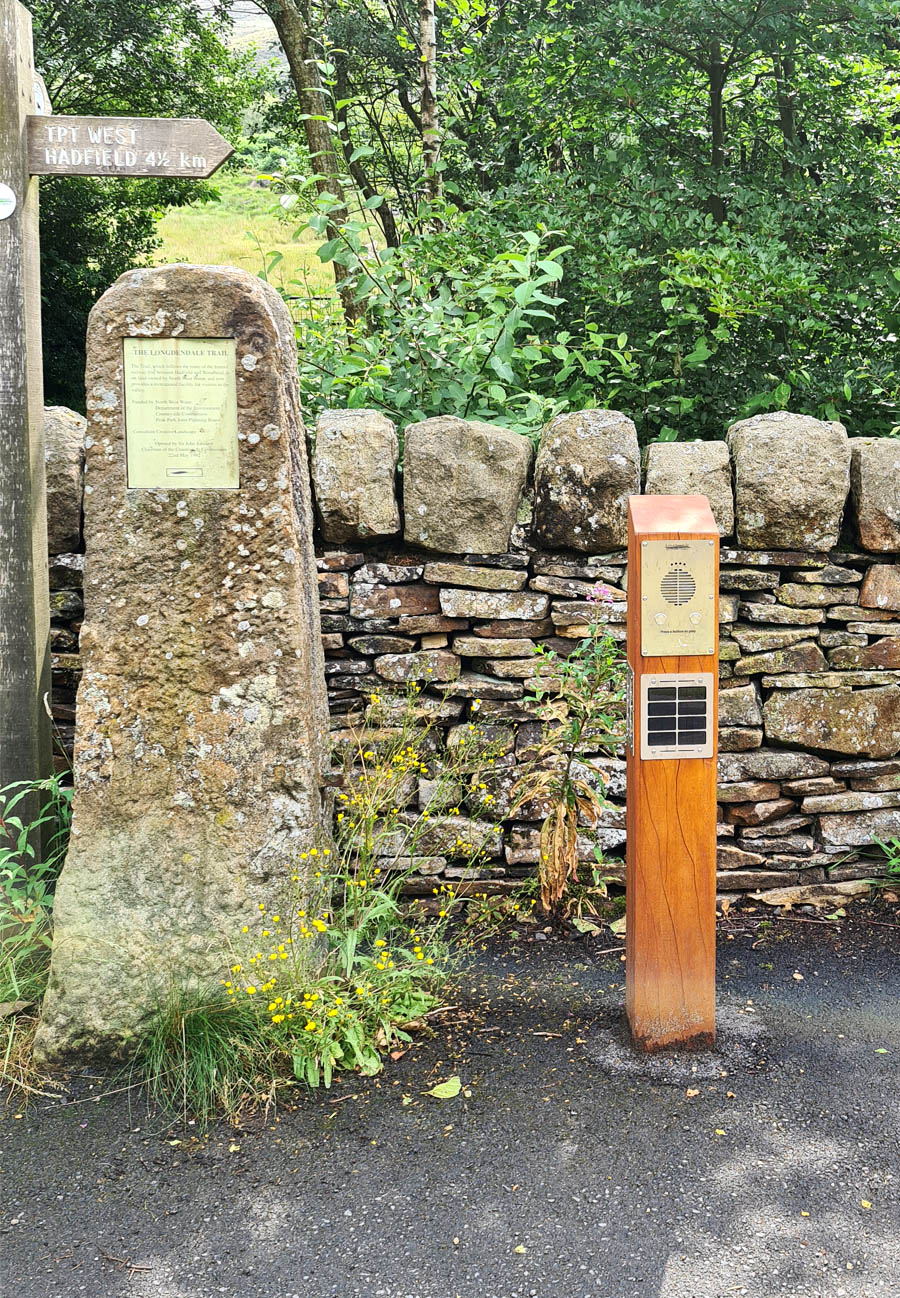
(891, 850)
(444, 328)
(267, 150)
(151, 58)
(727, 180)
(580, 698)
(35, 819)
(725, 176)
(340, 972)
(34, 831)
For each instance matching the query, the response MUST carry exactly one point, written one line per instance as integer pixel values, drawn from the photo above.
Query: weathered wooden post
(33, 143)
(673, 549)
(24, 597)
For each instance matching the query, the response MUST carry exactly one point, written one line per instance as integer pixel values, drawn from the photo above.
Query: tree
(428, 103)
(143, 57)
(726, 172)
(295, 23)
(729, 176)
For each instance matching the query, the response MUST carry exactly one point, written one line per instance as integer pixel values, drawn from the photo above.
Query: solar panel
(676, 716)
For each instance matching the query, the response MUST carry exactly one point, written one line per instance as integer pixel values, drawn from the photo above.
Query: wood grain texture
(124, 146)
(24, 598)
(671, 828)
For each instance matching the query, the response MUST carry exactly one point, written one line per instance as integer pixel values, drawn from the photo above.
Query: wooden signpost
(673, 583)
(33, 143)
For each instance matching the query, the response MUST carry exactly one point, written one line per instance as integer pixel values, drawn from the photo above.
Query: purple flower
(601, 594)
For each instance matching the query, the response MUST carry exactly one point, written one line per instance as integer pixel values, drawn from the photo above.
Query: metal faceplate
(677, 716)
(678, 598)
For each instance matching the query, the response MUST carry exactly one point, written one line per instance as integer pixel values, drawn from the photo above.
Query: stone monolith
(202, 708)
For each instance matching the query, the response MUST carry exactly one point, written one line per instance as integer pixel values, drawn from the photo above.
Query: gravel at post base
(554, 1171)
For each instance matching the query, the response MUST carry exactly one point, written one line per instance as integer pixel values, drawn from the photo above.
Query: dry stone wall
(450, 570)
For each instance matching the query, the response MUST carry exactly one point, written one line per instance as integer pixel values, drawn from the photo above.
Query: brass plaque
(679, 607)
(181, 413)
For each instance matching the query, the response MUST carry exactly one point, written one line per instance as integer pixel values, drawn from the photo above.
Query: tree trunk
(717, 130)
(783, 67)
(428, 110)
(293, 27)
(384, 214)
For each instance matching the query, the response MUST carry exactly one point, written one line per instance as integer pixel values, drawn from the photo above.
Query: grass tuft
(201, 1056)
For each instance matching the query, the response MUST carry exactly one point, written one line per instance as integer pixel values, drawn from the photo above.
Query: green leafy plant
(891, 851)
(442, 328)
(341, 974)
(581, 700)
(35, 818)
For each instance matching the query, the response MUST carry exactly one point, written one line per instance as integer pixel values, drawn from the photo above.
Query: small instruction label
(7, 202)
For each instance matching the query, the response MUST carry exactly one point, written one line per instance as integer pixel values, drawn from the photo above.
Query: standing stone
(354, 469)
(462, 484)
(875, 491)
(693, 469)
(587, 466)
(202, 711)
(792, 475)
(64, 456)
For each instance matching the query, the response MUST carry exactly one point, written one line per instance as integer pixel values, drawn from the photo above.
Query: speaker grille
(678, 586)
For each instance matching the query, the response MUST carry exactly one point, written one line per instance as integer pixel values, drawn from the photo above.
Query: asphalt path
(565, 1167)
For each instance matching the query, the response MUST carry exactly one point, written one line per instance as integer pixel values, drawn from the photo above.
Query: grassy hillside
(241, 229)
(251, 28)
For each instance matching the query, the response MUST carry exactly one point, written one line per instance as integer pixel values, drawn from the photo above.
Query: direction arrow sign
(124, 146)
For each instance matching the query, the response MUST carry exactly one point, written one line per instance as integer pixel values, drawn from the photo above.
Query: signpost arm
(25, 748)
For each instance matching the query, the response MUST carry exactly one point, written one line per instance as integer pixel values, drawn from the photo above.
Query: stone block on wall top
(587, 466)
(354, 470)
(64, 455)
(875, 492)
(792, 476)
(693, 469)
(462, 484)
